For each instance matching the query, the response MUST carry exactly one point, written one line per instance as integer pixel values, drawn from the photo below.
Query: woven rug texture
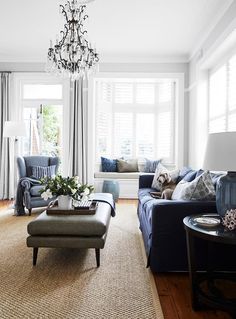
(66, 283)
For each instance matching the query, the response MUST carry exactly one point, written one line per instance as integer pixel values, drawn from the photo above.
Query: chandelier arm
(81, 11)
(63, 11)
(69, 5)
(62, 39)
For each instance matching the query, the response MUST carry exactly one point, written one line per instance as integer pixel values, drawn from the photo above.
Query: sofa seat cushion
(34, 190)
(144, 195)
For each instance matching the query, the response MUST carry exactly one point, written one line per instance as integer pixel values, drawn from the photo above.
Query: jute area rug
(66, 282)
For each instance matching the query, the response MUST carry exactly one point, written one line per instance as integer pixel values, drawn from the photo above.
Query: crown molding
(106, 59)
(205, 34)
(143, 58)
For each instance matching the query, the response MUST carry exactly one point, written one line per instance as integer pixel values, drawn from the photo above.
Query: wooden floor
(173, 290)
(174, 294)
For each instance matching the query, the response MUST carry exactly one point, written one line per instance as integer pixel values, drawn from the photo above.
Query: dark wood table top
(217, 233)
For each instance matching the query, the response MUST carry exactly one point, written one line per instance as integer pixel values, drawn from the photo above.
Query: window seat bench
(128, 182)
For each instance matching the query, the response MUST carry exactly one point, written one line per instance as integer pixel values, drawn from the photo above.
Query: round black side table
(214, 298)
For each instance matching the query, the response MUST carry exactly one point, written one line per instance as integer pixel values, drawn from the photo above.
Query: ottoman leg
(35, 255)
(97, 251)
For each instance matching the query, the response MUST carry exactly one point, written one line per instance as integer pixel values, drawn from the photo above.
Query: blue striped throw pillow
(41, 171)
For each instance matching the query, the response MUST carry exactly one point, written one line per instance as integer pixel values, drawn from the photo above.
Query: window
(135, 118)
(222, 98)
(43, 114)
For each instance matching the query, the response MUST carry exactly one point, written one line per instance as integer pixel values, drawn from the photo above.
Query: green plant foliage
(59, 185)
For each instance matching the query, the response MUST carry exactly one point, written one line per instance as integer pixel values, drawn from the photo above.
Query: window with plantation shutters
(135, 118)
(222, 98)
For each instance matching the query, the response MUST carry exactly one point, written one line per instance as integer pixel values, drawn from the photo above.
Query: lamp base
(226, 193)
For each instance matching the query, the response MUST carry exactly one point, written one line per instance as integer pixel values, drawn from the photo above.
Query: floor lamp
(13, 130)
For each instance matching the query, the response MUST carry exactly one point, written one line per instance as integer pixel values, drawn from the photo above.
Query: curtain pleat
(5, 181)
(78, 130)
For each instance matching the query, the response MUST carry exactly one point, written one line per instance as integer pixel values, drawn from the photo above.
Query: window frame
(41, 78)
(179, 150)
(227, 111)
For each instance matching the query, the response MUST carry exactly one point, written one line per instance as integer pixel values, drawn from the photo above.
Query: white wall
(198, 83)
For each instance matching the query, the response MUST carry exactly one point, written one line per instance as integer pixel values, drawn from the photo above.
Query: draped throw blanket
(78, 130)
(105, 198)
(24, 182)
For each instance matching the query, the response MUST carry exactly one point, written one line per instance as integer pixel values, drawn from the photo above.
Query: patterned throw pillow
(109, 165)
(42, 171)
(160, 170)
(201, 188)
(129, 165)
(150, 166)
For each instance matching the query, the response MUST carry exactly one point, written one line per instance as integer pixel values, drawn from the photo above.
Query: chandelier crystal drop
(72, 55)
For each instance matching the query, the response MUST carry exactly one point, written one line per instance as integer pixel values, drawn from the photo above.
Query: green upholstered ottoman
(71, 231)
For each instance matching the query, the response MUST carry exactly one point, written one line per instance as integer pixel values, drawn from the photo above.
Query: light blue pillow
(151, 166)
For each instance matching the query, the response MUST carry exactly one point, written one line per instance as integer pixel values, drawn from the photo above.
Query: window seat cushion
(116, 175)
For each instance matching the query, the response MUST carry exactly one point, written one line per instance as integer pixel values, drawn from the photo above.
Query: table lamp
(221, 156)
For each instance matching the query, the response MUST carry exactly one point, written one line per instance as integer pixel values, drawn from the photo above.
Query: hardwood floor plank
(168, 307)
(175, 286)
(5, 204)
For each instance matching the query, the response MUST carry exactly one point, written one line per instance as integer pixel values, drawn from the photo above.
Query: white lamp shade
(14, 128)
(221, 152)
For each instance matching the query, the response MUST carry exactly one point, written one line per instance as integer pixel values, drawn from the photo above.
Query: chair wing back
(54, 161)
(25, 163)
(21, 166)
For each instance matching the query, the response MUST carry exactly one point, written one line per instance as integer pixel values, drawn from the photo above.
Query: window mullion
(113, 120)
(156, 121)
(227, 98)
(134, 144)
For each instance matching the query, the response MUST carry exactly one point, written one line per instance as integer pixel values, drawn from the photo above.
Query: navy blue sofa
(161, 224)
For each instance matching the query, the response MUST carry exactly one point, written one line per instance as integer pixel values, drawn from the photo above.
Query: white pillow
(141, 164)
(160, 170)
(201, 188)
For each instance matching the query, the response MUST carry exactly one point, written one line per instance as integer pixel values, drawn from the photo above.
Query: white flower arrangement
(71, 186)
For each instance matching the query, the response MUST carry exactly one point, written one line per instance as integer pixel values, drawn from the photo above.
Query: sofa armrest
(168, 247)
(168, 215)
(145, 181)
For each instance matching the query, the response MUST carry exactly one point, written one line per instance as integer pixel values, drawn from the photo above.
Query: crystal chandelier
(72, 55)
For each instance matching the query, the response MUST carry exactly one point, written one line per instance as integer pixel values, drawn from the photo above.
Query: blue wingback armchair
(28, 194)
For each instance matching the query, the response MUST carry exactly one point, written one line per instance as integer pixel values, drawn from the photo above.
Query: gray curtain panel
(4, 142)
(78, 130)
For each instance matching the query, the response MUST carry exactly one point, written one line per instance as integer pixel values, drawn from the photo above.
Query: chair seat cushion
(34, 191)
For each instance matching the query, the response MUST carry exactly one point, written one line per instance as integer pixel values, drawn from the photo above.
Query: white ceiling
(127, 30)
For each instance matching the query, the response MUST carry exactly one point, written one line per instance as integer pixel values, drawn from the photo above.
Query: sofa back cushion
(201, 188)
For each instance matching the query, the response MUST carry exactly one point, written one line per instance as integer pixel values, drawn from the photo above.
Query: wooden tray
(77, 211)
